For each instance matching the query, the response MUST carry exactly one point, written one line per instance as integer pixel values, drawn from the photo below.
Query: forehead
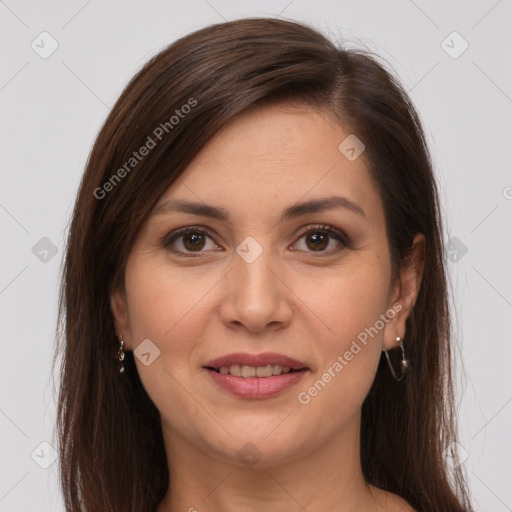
(276, 155)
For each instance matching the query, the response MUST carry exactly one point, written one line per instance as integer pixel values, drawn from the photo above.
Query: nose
(255, 297)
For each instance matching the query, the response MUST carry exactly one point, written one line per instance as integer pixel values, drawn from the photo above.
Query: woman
(254, 306)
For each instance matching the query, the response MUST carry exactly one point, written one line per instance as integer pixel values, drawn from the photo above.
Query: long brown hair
(112, 455)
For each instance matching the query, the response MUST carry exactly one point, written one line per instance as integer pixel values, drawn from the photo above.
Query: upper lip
(246, 359)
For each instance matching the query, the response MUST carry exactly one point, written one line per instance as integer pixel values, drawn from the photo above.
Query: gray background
(51, 111)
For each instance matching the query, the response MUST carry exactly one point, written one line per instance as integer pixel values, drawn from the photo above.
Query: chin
(260, 446)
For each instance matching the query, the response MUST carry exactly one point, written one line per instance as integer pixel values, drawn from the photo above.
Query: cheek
(349, 301)
(165, 307)
(351, 306)
(163, 300)
(172, 307)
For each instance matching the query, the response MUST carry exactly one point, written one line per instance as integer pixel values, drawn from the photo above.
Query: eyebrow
(291, 212)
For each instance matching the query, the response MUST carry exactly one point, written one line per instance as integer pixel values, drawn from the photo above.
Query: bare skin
(307, 296)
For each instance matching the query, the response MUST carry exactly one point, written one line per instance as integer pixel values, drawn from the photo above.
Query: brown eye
(189, 240)
(319, 238)
(193, 241)
(317, 241)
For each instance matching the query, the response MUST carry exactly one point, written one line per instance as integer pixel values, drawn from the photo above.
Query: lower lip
(256, 387)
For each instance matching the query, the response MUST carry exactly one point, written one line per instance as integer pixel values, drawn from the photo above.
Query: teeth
(264, 371)
(254, 371)
(248, 371)
(235, 370)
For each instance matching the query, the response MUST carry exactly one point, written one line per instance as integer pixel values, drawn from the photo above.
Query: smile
(250, 375)
(254, 371)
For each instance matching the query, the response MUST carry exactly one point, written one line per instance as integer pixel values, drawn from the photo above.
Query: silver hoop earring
(120, 355)
(404, 363)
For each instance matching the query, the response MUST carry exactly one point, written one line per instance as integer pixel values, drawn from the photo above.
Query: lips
(254, 360)
(255, 375)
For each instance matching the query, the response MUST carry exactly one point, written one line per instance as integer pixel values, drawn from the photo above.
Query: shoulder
(389, 502)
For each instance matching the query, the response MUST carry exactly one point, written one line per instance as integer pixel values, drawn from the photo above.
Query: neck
(328, 477)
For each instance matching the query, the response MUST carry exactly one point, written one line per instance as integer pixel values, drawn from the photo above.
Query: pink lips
(255, 387)
(246, 359)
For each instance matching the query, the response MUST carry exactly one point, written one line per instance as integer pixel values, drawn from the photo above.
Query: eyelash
(169, 239)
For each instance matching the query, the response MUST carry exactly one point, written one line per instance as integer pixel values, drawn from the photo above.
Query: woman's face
(283, 256)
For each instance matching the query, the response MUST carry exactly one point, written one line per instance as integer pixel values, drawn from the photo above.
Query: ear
(404, 293)
(120, 313)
